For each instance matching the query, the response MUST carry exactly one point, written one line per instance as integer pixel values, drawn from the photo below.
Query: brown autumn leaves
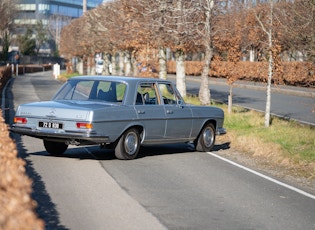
(17, 206)
(141, 27)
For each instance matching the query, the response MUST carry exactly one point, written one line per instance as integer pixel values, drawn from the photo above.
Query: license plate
(50, 125)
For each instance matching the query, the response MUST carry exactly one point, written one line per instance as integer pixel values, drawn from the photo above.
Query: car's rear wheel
(206, 139)
(128, 145)
(55, 148)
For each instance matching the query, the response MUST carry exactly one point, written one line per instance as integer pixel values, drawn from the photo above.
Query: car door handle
(169, 111)
(141, 112)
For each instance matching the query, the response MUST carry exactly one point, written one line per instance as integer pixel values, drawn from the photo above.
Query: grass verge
(294, 140)
(285, 143)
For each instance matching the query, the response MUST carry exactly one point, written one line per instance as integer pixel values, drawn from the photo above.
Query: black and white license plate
(50, 125)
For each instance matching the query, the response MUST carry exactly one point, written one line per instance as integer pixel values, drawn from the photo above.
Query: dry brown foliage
(5, 74)
(269, 158)
(139, 27)
(7, 14)
(292, 73)
(17, 207)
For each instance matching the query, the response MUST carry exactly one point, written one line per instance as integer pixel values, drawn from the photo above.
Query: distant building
(31, 11)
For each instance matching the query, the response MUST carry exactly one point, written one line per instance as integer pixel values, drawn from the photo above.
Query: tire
(128, 145)
(206, 138)
(55, 148)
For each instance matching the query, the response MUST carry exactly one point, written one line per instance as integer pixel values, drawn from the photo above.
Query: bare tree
(7, 13)
(101, 21)
(265, 18)
(56, 23)
(152, 26)
(154, 18)
(179, 26)
(229, 45)
(70, 45)
(297, 20)
(206, 34)
(41, 35)
(113, 30)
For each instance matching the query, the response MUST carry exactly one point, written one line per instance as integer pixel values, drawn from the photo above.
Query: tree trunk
(128, 64)
(204, 91)
(74, 65)
(135, 69)
(269, 32)
(162, 63)
(89, 68)
(270, 68)
(180, 72)
(106, 64)
(114, 65)
(252, 55)
(121, 63)
(79, 66)
(230, 99)
(268, 100)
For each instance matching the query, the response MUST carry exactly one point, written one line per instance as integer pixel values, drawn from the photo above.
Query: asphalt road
(292, 103)
(167, 187)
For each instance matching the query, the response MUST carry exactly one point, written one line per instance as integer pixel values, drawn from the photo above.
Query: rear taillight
(84, 125)
(20, 120)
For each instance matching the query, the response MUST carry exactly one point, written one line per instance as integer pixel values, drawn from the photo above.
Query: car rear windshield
(91, 90)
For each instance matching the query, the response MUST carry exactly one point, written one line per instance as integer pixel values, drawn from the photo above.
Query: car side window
(82, 90)
(146, 94)
(169, 94)
(111, 91)
(106, 91)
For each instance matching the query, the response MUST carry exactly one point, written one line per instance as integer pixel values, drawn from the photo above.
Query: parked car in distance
(118, 112)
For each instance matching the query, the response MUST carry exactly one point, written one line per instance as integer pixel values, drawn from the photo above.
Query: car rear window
(85, 90)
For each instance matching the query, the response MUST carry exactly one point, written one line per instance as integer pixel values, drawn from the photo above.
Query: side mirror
(180, 103)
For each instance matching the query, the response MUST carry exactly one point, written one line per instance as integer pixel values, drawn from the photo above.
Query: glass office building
(38, 9)
(29, 12)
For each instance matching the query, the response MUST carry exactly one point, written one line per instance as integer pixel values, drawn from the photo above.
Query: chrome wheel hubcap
(131, 143)
(208, 137)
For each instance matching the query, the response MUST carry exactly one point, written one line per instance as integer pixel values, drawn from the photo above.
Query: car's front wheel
(55, 148)
(206, 139)
(128, 145)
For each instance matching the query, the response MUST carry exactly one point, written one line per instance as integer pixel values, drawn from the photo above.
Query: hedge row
(5, 74)
(289, 73)
(17, 207)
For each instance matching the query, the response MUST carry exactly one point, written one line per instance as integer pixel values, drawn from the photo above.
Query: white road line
(264, 176)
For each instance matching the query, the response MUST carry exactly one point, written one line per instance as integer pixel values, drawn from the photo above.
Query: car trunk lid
(78, 110)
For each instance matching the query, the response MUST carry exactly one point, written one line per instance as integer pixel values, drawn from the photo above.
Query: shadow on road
(96, 153)
(46, 209)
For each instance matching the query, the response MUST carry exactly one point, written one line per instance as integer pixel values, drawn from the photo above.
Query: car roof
(131, 81)
(118, 78)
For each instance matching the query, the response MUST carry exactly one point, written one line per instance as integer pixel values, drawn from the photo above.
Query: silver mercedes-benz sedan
(118, 112)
